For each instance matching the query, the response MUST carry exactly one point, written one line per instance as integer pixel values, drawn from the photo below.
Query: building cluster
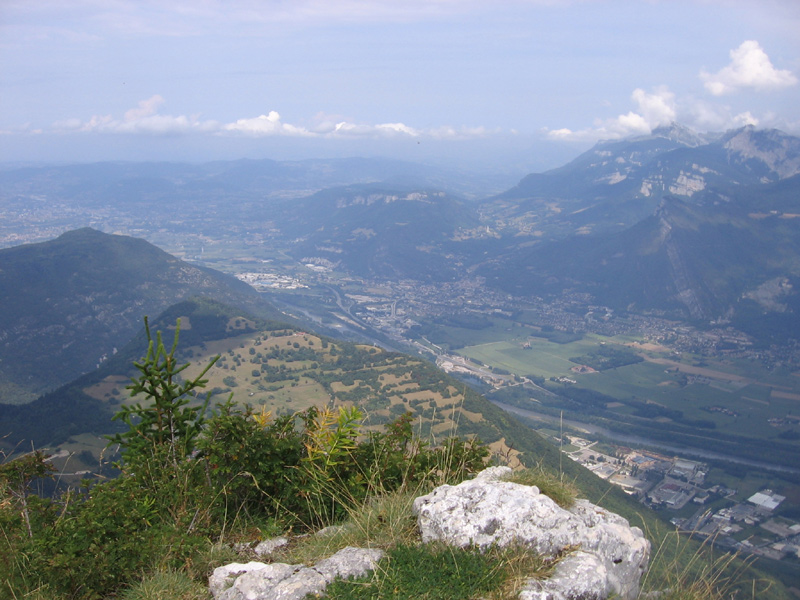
(271, 281)
(750, 525)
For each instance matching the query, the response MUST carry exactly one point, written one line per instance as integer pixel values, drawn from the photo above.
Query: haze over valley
(644, 310)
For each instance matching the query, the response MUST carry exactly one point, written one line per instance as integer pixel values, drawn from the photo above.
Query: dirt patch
(100, 390)
(423, 395)
(338, 386)
(507, 455)
(702, 371)
(474, 417)
(186, 324)
(785, 395)
(237, 324)
(755, 400)
(648, 347)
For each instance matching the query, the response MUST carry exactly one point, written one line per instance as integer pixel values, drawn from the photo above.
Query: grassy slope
(71, 302)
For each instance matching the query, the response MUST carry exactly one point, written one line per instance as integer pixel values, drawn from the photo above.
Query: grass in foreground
(439, 572)
(167, 584)
(550, 484)
(682, 570)
(411, 569)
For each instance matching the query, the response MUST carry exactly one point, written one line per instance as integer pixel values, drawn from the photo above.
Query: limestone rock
(348, 562)
(487, 510)
(579, 575)
(262, 548)
(267, 547)
(279, 581)
(223, 577)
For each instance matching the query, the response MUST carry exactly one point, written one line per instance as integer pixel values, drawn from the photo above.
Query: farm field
(648, 387)
(543, 358)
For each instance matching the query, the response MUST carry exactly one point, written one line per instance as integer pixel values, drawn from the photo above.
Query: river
(636, 440)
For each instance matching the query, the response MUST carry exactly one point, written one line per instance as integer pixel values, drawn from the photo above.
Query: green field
(543, 358)
(705, 399)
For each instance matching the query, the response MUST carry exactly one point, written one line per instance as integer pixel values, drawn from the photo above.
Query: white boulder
(279, 581)
(486, 510)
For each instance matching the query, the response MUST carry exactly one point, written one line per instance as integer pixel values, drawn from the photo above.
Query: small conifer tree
(166, 423)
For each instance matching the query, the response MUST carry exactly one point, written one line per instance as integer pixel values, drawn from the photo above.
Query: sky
(515, 84)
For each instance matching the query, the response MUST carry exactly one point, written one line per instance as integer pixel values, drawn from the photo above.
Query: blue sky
(520, 84)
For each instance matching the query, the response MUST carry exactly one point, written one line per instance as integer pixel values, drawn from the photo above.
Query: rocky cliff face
(604, 555)
(775, 150)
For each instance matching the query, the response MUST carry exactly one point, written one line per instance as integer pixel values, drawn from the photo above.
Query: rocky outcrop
(279, 581)
(600, 553)
(611, 555)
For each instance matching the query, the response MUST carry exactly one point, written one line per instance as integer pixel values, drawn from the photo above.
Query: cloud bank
(750, 68)
(652, 110)
(145, 119)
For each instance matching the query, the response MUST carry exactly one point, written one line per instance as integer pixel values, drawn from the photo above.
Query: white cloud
(266, 125)
(705, 116)
(656, 109)
(750, 67)
(652, 110)
(743, 119)
(329, 126)
(144, 119)
(396, 128)
(271, 124)
(146, 108)
(343, 128)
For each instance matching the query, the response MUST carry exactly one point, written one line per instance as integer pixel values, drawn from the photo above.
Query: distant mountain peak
(779, 151)
(679, 133)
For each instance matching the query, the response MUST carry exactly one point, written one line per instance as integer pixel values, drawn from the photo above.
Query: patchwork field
(284, 371)
(624, 382)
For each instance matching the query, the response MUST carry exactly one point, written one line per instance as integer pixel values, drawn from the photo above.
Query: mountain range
(701, 227)
(379, 231)
(617, 183)
(704, 231)
(696, 227)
